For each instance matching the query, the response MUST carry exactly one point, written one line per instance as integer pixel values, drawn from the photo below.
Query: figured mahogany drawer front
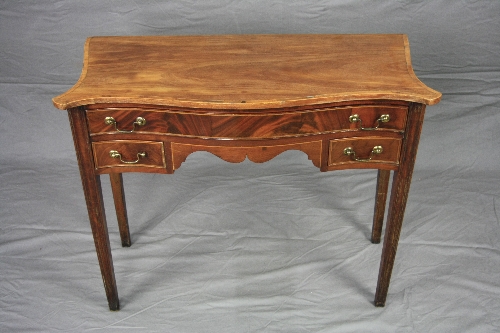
(378, 118)
(364, 151)
(128, 153)
(263, 124)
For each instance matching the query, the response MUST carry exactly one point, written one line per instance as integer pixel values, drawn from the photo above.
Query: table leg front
(399, 195)
(93, 197)
(391, 238)
(99, 227)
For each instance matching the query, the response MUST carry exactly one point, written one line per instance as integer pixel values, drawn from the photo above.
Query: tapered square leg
(93, 197)
(399, 195)
(380, 200)
(120, 207)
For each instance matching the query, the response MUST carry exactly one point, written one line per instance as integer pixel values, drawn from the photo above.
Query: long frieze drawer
(257, 124)
(129, 153)
(364, 152)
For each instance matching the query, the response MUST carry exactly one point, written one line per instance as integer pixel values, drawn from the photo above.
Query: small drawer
(364, 152)
(129, 153)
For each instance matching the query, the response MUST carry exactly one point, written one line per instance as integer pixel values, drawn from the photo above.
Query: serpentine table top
(246, 71)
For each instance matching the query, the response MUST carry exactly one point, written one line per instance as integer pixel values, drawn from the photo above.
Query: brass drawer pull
(115, 154)
(139, 121)
(356, 119)
(349, 151)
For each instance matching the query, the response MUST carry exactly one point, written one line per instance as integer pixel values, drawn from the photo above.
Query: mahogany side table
(143, 104)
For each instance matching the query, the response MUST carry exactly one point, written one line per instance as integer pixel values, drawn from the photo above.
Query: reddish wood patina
(144, 104)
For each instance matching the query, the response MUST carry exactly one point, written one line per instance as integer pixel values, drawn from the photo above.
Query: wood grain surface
(246, 71)
(388, 159)
(246, 125)
(128, 149)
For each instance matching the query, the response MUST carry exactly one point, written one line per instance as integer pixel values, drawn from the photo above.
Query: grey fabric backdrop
(276, 247)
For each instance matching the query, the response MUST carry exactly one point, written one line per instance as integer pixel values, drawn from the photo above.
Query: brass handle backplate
(116, 154)
(139, 121)
(349, 151)
(355, 118)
